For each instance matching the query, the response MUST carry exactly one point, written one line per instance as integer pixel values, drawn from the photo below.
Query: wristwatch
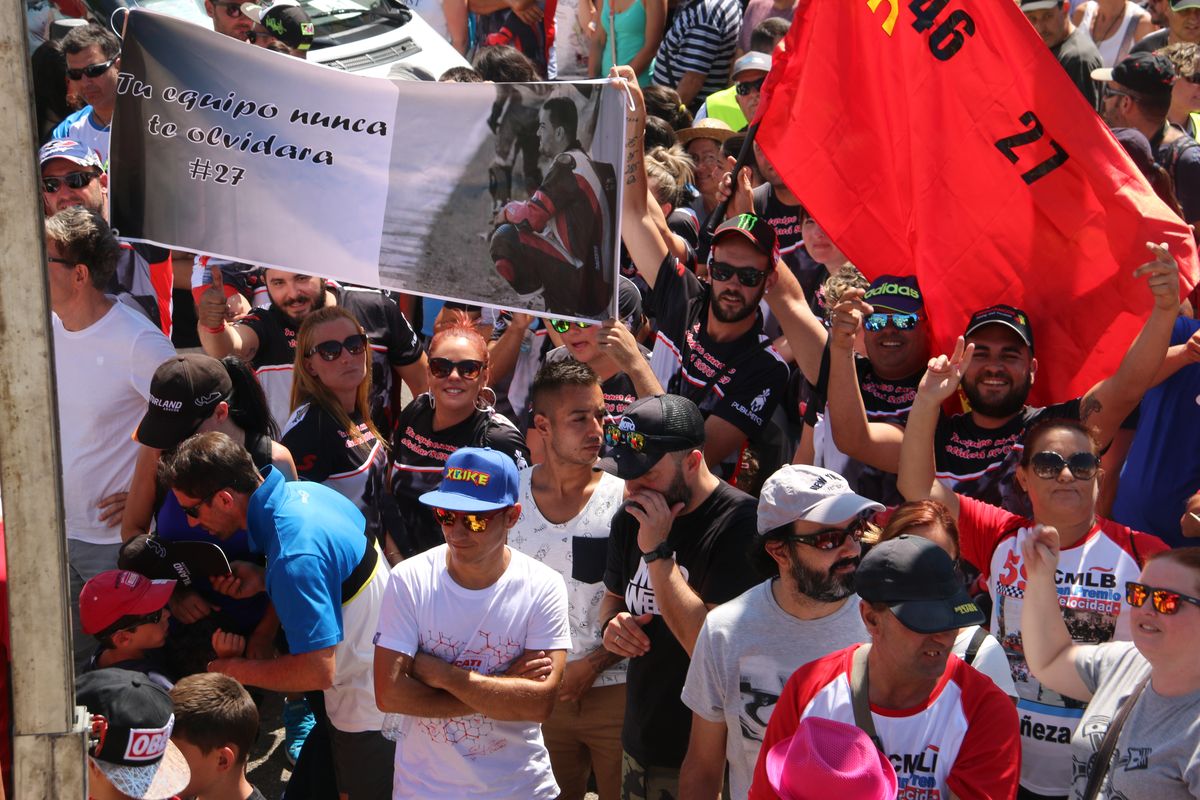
(662, 551)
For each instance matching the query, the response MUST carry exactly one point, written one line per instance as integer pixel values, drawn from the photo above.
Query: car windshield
(350, 13)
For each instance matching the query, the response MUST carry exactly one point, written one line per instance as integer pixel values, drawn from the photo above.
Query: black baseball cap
(183, 393)
(162, 559)
(131, 733)
(760, 233)
(1148, 74)
(1009, 316)
(899, 293)
(649, 429)
(917, 580)
(285, 20)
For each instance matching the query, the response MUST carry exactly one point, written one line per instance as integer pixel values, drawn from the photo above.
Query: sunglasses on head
(747, 276)
(232, 10)
(92, 70)
(1048, 464)
(476, 522)
(332, 349)
(746, 87)
(832, 538)
(73, 180)
(902, 322)
(1165, 601)
(468, 369)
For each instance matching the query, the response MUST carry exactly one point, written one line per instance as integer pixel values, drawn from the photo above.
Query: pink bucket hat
(824, 759)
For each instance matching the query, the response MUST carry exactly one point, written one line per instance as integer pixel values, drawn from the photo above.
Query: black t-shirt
(784, 218)
(980, 462)
(740, 381)
(1151, 42)
(393, 344)
(419, 454)
(356, 468)
(1078, 56)
(712, 546)
(1181, 158)
(885, 401)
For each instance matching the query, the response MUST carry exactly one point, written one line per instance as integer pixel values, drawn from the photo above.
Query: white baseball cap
(802, 492)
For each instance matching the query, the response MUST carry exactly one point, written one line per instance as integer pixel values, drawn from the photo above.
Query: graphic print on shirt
(470, 734)
(760, 682)
(639, 595)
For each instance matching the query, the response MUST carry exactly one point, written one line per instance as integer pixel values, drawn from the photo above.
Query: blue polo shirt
(313, 538)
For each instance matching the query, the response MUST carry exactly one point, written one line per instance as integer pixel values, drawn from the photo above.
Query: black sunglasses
(131, 622)
(1048, 464)
(746, 87)
(832, 538)
(747, 276)
(73, 180)
(1165, 601)
(253, 36)
(232, 10)
(92, 70)
(468, 369)
(332, 349)
(193, 511)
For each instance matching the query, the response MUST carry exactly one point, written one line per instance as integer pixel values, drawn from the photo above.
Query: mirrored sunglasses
(746, 87)
(902, 322)
(832, 538)
(1165, 601)
(475, 522)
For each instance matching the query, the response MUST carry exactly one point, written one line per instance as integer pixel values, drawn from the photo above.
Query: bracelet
(221, 329)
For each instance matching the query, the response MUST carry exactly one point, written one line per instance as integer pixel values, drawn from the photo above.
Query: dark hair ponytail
(247, 404)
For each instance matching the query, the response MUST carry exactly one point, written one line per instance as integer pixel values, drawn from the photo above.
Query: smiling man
(947, 729)
(93, 56)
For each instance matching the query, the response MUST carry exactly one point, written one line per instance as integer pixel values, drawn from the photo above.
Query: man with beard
(1180, 20)
(266, 337)
(550, 248)
(976, 451)
(677, 549)
(810, 526)
(946, 728)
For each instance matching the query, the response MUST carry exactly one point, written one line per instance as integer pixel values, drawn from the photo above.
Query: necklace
(1112, 25)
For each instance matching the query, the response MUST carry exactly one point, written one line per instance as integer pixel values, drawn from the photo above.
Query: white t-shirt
(103, 374)
(483, 630)
(989, 659)
(578, 551)
(744, 655)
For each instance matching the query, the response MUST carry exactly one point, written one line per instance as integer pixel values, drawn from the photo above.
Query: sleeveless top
(631, 35)
(1117, 45)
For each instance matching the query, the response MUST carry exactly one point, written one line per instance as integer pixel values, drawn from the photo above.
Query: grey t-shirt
(745, 653)
(1158, 752)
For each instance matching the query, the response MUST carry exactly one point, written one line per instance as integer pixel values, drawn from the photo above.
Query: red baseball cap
(118, 593)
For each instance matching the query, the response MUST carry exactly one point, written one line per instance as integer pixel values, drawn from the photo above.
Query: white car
(352, 35)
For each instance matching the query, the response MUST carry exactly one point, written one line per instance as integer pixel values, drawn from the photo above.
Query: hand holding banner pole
(718, 214)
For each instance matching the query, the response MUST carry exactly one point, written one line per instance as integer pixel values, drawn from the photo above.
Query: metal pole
(48, 743)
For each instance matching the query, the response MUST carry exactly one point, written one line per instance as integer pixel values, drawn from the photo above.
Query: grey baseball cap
(802, 492)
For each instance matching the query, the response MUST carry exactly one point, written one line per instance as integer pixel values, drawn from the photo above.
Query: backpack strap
(1099, 764)
(977, 640)
(859, 694)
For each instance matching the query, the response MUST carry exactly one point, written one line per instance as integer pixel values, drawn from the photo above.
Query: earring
(488, 405)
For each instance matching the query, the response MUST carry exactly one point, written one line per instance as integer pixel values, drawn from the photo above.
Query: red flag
(940, 138)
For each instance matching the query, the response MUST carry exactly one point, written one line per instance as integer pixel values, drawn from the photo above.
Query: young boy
(216, 724)
(127, 614)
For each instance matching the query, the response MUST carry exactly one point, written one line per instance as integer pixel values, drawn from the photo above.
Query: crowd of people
(756, 537)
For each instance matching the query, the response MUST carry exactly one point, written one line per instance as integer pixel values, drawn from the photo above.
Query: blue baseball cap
(475, 479)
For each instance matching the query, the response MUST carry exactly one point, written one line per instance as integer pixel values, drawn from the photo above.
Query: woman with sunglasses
(1154, 680)
(931, 520)
(331, 433)
(456, 412)
(1059, 471)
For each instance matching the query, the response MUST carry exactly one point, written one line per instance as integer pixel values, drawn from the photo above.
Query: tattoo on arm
(1089, 407)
